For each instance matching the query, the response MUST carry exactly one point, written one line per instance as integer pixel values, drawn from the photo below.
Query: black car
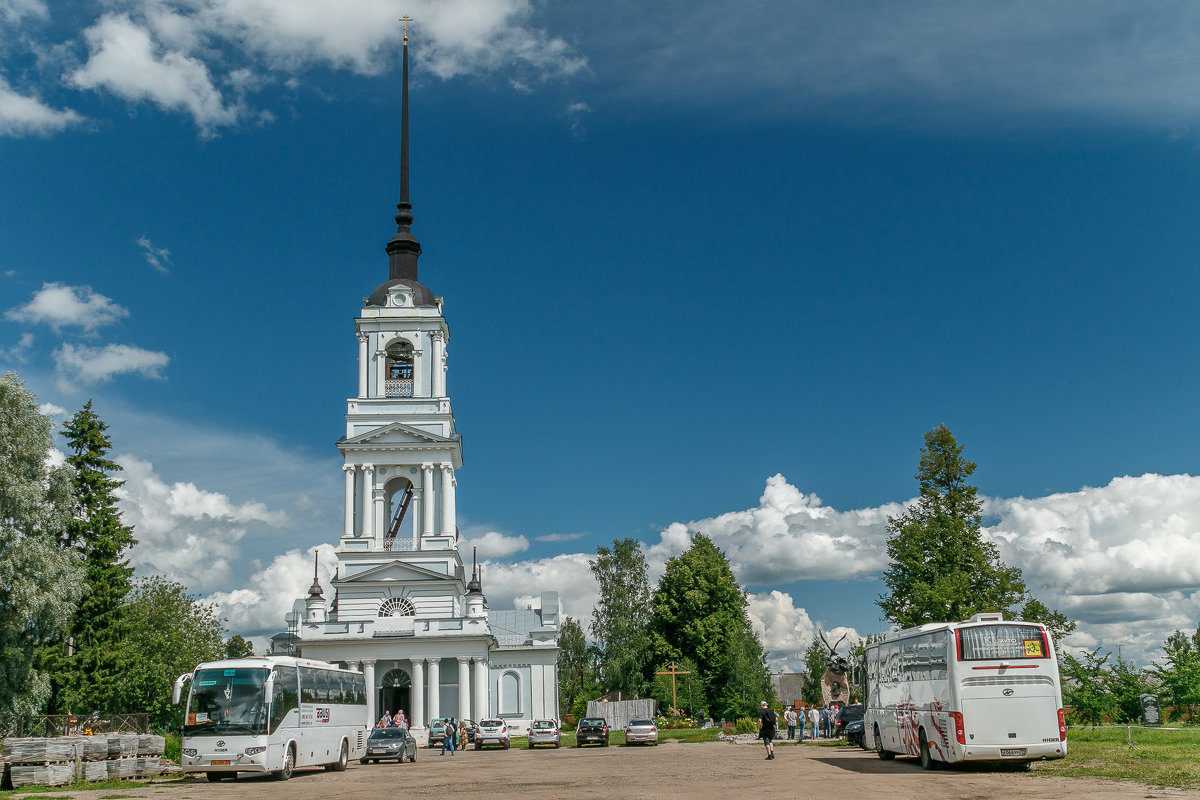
(591, 729)
(395, 743)
(845, 715)
(854, 733)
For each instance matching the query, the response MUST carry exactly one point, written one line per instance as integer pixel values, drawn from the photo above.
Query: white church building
(404, 609)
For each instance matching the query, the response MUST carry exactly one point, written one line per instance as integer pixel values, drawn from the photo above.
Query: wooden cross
(673, 670)
(406, 19)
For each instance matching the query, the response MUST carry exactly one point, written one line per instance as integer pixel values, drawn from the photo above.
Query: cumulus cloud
(126, 61)
(183, 532)
(19, 352)
(24, 115)
(61, 306)
(52, 410)
(558, 537)
(492, 544)
(514, 585)
(81, 365)
(156, 257)
(259, 609)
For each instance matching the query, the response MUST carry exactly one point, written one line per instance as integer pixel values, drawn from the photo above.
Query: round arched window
(397, 607)
(399, 381)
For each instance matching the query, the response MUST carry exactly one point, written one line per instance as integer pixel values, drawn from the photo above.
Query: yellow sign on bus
(1033, 648)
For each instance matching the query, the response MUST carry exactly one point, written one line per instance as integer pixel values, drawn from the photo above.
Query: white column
(368, 485)
(381, 516)
(368, 668)
(448, 484)
(427, 515)
(437, 366)
(349, 528)
(418, 693)
(482, 681)
(420, 384)
(464, 687)
(435, 688)
(380, 372)
(363, 363)
(415, 511)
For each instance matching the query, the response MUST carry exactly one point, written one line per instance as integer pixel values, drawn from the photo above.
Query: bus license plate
(1013, 751)
(223, 763)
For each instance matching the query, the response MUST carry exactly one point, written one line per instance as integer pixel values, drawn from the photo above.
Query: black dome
(421, 296)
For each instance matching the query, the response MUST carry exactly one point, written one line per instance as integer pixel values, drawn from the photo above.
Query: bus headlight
(191, 752)
(253, 751)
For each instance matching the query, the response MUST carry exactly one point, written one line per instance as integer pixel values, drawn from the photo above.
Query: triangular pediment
(395, 571)
(397, 433)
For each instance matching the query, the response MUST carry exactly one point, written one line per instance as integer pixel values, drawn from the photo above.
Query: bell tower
(400, 448)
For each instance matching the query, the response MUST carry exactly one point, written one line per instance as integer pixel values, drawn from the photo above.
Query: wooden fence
(21, 725)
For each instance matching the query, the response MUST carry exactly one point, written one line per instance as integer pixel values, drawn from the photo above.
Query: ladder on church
(398, 519)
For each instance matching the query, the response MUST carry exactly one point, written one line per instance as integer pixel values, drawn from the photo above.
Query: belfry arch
(395, 692)
(398, 496)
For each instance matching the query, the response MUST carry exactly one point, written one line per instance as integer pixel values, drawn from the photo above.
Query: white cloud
(127, 62)
(558, 537)
(491, 544)
(574, 113)
(23, 115)
(512, 585)
(12, 11)
(183, 532)
(52, 410)
(156, 257)
(81, 365)
(259, 608)
(19, 352)
(61, 306)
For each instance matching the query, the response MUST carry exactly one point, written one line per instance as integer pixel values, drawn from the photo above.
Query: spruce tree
(103, 541)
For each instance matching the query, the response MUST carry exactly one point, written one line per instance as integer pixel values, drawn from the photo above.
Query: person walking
(789, 716)
(766, 729)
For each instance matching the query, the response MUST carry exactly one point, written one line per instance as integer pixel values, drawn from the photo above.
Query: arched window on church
(399, 381)
(397, 607)
(510, 693)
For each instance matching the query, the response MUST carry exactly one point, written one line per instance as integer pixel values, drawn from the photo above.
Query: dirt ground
(671, 771)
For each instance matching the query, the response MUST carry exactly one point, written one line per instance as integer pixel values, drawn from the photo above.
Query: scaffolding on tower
(398, 520)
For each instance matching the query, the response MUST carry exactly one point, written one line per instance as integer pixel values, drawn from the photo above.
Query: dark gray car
(395, 743)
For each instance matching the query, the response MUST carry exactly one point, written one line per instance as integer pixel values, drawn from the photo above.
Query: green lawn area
(1157, 758)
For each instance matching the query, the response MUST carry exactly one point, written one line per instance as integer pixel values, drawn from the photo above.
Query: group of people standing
(389, 721)
(818, 720)
(454, 734)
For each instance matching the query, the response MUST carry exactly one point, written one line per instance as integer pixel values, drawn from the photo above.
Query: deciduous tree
(40, 583)
(576, 672)
(1179, 675)
(700, 614)
(621, 617)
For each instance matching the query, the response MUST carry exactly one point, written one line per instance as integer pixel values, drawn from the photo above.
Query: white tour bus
(983, 690)
(273, 714)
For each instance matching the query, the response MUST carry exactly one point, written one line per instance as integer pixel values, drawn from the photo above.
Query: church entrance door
(395, 693)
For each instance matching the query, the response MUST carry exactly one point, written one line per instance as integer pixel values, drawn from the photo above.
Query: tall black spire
(403, 249)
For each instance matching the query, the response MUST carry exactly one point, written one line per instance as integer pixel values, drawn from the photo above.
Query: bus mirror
(177, 692)
(269, 688)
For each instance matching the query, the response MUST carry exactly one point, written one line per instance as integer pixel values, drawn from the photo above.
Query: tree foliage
(237, 647)
(816, 661)
(1179, 675)
(1086, 687)
(576, 669)
(40, 583)
(84, 676)
(941, 567)
(700, 615)
(169, 633)
(621, 617)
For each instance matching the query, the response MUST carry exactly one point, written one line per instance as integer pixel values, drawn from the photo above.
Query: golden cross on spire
(406, 19)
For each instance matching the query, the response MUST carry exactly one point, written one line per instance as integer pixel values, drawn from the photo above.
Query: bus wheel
(886, 755)
(343, 759)
(927, 761)
(289, 765)
(215, 776)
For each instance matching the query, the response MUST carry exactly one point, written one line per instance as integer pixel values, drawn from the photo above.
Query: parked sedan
(591, 729)
(641, 730)
(492, 731)
(544, 731)
(854, 734)
(395, 743)
(844, 716)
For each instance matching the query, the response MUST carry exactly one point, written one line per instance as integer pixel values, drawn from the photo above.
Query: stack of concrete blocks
(149, 755)
(40, 762)
(122, 755)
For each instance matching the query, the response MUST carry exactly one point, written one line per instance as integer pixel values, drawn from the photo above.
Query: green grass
(1165, 758)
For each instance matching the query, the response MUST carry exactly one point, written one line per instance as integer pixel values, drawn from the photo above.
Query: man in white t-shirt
(790, 717)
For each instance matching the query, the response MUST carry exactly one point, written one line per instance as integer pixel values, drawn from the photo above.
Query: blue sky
(702, 272)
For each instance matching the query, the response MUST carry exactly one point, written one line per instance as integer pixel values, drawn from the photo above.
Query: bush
(171, 747)
(745, 725)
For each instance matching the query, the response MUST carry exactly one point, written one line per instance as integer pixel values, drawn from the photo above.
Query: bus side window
(284, 698)
(360, 689)
(308, 685)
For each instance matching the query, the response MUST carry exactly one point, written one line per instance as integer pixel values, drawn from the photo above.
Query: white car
(491, 731)
(544, 731)
(641, 730)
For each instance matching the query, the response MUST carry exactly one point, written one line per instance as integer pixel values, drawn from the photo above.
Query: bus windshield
(225, 701)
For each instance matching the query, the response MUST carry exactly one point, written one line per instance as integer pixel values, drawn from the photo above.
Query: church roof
(422, 297)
